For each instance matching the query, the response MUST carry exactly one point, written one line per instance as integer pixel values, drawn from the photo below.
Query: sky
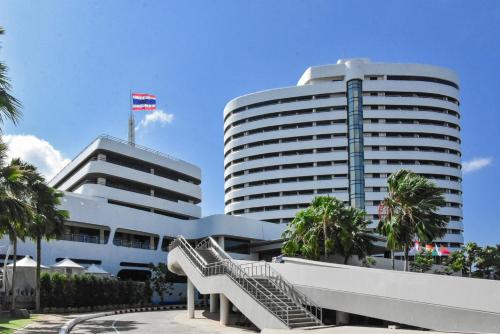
(73, 63)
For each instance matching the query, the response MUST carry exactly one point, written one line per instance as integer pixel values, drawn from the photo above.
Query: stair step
(303, 324)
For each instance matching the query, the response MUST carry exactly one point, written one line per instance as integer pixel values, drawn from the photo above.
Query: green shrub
(58, 290)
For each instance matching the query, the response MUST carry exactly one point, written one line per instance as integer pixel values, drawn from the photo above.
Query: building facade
(127, 203)
(341, 131)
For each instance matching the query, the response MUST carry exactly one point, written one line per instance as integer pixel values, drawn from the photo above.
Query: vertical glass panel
(355, 142)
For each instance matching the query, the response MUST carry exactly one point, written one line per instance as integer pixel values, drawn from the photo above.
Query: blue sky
(72, 64)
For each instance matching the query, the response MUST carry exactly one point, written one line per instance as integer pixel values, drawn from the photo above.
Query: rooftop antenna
(131, 124)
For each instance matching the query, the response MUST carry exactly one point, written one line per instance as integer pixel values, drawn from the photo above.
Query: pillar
(214, 302)
(220, 241)
(190, 299)
(341, 318)
(224, 310)
(152, 242)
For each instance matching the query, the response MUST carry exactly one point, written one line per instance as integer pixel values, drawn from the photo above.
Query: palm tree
(410, 211)
(15, 213)
(471, 251)
(48, 220)
(312, 228)
(9, 105)
(353, 236)
(303, 235)
(328, 211)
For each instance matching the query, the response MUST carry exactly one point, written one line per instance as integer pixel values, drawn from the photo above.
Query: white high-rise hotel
(342, 131)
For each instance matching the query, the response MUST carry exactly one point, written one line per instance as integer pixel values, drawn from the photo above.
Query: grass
(8, 326)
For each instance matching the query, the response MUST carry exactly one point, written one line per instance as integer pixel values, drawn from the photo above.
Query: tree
(311, 231)
(161, 279)
(423, 262)
(48, 220)
(455, 262)
(496, 266)
(410, 211)
(471, 252)
(15, 213)
(328, 226)
(10, 107)
(486, 261)
(352, 236)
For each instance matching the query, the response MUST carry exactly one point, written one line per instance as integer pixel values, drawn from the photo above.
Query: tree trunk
(406, 257)
(346, 259)
(38, 270)
(13, 287)
(393, 260)
(470, 270)
(6, 277)
(324, 236)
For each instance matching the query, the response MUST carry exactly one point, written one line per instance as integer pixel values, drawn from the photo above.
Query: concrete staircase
(276, 297)
(297, 316)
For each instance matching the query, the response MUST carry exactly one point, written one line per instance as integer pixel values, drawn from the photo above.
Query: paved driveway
(173, 321)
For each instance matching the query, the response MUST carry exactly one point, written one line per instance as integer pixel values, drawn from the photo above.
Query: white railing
(226, 267)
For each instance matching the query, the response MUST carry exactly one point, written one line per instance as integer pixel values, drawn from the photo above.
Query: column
(190, 299)
(214, 301)
(224, 310)
(220, 241)
(152, 242)
(341, 318)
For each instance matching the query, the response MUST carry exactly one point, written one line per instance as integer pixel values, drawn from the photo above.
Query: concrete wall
(437, 302)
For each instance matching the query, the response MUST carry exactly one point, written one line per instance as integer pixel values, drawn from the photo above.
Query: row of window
(328, 163)
(412, 94)
(332, 95)
(136, 187)
(338, 121)
(298, 139)
(286, 154)
(339, 108)
(299, 206)
(285, 100)
(323, 191)
(309, 178)
(129, 162)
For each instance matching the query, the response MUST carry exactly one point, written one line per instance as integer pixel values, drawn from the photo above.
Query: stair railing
(263, 269)
(208, 243)
(255, 289)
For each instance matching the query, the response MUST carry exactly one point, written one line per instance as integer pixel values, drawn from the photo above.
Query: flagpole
(131, 124)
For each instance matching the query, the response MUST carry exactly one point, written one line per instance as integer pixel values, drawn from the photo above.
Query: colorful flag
(436, 251)
(444, 251)
(429, 248)
(143, 102)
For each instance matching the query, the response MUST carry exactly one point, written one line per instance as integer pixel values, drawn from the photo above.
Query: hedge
(58, 290)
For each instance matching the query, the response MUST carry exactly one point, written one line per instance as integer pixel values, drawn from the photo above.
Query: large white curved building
(342, 131)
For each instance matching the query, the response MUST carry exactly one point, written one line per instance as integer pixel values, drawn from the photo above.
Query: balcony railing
(91, 239)
(132, 244)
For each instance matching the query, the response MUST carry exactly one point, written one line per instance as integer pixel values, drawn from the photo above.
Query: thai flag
(143, 102)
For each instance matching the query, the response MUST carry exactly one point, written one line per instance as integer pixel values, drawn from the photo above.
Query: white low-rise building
(127, 202)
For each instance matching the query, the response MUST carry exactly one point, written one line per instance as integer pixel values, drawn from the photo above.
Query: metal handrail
(211, 243)
(298, 297)
(255, 289)
(263, 269)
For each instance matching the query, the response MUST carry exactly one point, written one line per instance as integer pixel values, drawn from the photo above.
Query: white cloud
(475, 164)
(36, 151)
(157, 116)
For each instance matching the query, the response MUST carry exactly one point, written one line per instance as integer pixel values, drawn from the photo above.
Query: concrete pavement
(173, 321)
